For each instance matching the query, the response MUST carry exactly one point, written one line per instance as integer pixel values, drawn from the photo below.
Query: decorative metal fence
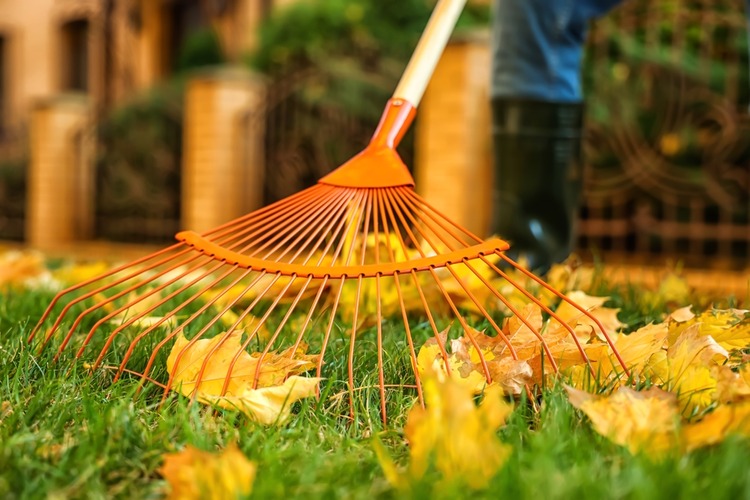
(13, 162)
(668, 134)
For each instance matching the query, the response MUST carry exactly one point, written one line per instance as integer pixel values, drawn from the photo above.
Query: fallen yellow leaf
(223, 360)
(453, 435)
(196, 474)
(267, 405)
(643, 422)
(430, 360)
(685, 368)
(730, 328)
(717, 425)
(582, 322)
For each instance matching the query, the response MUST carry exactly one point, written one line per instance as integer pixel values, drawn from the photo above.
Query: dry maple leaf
(430, 359)
(582, 323)
(454, 435)
(467, 359)
(23, 269)
(730, 328)
(636, 349)
(685, 368)
(717, 425)
(646, 421)
(731, 387)
(196, 474)
(223, 357)
(267, 405)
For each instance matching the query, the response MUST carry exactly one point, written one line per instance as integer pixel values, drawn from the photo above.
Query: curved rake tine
(127, 306)
(577, 306)
(172, 314)
(83, 284)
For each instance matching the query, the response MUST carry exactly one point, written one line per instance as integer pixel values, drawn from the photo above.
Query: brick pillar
(60, 185)
(453, 136)
(223, 167)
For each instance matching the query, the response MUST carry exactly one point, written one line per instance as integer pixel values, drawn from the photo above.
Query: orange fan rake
(357, 259)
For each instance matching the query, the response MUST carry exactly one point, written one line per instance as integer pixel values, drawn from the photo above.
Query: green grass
(67, 434)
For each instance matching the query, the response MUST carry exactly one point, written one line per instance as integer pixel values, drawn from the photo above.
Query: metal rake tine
(276, 332)
(445, 294)
(520, 316)
(381, 374)
(112, 298)
(329, 328)
(575, 305)
(194, 316)
(300, 335)
(485, 314)
(410, 341)
(296, 229)
(546, 309)
(405, 317)
(439, 218)
(323, 230)
(283, 209)
(173, 312)
(83, 284)
(250, 336)
(262, 213)
(352, 338)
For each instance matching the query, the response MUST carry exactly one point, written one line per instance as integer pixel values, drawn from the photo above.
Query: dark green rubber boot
(538, 178)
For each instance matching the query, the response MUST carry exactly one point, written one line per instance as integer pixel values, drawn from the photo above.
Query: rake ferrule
(379, 165)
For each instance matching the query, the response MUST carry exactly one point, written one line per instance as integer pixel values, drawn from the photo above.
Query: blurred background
(128, 120)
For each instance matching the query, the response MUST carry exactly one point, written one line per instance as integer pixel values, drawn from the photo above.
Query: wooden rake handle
(423, 61)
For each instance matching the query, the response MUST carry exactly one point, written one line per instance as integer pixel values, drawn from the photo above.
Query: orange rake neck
(379, 165)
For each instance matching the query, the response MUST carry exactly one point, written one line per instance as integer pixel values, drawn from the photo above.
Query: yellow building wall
(27, 24)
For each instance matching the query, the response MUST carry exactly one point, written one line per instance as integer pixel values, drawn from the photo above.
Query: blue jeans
(538, 47)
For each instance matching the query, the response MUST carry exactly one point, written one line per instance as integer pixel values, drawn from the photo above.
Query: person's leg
(537, 121)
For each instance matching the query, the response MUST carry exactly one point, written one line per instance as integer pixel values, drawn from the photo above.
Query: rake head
(356, 268)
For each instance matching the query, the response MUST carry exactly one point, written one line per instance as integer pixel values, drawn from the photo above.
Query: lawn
(68, 433)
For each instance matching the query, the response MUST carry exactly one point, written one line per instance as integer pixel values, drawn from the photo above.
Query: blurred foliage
(140, 153)
(358, 47)
(342, 60)
(200, 49)
(138, 181)
(651, 64)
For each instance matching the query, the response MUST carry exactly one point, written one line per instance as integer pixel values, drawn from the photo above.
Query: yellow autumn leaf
(685, 368)
(223, 357)
(430, 360)
(717, 425)
(635, 349)
(267, 405)
(730, 328)
(196, 474)
(78, 272)
(274, 369)
(583, 323)
(453, 435)
(23, 269)
(512, 374)
(643, 422)
(731, 386)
